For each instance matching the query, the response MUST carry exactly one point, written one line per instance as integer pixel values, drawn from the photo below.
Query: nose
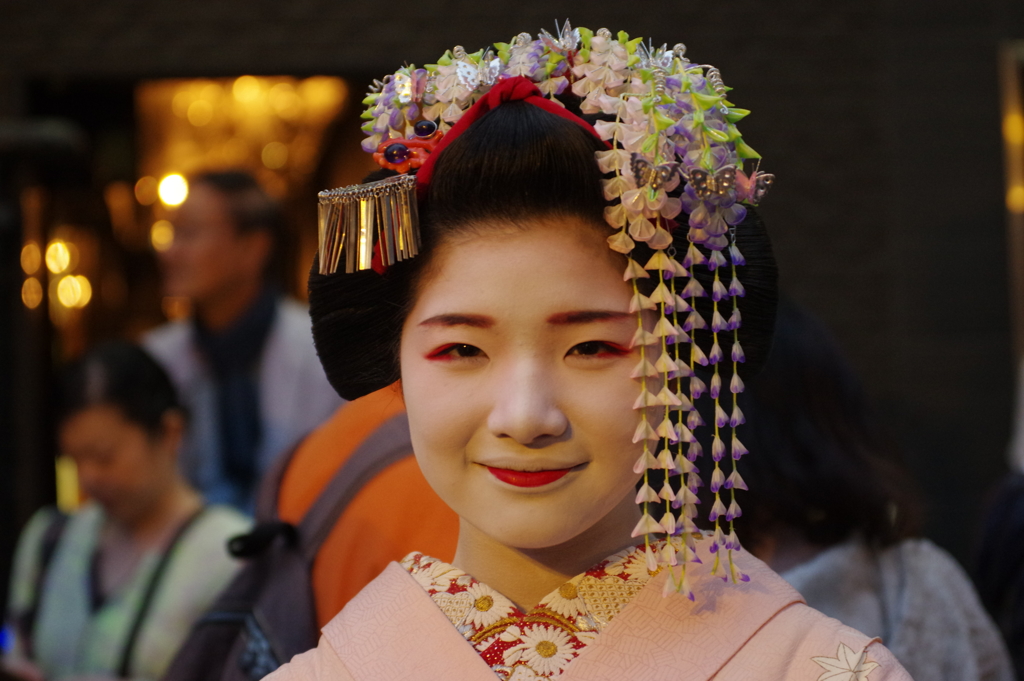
(525, 406)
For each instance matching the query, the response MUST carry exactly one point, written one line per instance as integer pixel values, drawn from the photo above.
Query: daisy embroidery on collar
(566, 601)
(489, 606)
(544, 649)
(847, 665)
(538, 644)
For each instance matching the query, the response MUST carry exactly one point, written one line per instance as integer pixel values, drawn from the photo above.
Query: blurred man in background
(244, 362)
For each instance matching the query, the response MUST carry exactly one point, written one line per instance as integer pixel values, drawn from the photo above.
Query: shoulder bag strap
(388, 444)
(268, 490)
(150, 593)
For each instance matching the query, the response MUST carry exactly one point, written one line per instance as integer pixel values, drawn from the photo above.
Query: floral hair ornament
(666, 120)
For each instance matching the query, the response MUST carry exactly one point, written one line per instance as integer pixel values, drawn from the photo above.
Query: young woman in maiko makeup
(534, 378)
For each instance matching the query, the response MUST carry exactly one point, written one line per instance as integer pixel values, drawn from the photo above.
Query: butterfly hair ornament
(666, 122)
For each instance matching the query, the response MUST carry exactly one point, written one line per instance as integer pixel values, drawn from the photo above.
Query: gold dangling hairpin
(349, 217)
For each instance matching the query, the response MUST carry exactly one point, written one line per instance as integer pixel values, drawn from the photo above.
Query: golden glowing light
(173, 190)
(274, 155)
(31, 293)
(1013, 128)
(58, 256)
(246, 89)
(322, 93)
(181, 102)
(74, 291)
(68, 492)
(211, 92)
(161, 235)
(286, 101)
(234, 151)
(146, 190)
(272, 126)
(31, 257)
(200, 112)
(1015, 199)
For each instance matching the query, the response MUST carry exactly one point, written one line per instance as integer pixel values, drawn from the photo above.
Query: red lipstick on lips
(528, 478)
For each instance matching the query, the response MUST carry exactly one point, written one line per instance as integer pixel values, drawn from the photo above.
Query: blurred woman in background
(112, 590)
(831, 511)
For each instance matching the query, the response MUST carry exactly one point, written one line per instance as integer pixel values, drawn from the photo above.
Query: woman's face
(516, 373)
(120, 465)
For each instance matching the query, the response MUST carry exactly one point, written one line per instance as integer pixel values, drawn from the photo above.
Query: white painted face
(516, 373)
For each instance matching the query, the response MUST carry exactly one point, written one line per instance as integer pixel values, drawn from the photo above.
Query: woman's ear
(172, 430)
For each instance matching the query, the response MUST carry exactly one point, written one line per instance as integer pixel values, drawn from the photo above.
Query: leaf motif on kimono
(847, 665)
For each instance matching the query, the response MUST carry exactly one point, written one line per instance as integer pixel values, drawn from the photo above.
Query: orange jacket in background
(395, 513)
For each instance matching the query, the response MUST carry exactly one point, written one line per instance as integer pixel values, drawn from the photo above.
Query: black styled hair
(251, 208)
(516, 162)
(121, 375)
(818, 463)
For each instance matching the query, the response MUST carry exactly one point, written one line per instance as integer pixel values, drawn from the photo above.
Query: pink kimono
(760, 629)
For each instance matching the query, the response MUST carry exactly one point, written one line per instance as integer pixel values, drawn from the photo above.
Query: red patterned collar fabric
(538, 644)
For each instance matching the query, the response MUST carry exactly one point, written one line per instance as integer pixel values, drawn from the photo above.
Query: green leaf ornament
(662, 121)
(743, 150)
(716, 135)
(736, 115)
(706, 101)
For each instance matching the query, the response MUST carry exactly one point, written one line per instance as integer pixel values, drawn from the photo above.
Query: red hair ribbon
(514, 89)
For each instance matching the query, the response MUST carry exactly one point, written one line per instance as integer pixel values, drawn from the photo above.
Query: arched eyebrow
(588, 316)
(477, 321)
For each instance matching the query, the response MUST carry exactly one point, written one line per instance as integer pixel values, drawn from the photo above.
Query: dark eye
(456, 351)
(463, 350)
(598, 349)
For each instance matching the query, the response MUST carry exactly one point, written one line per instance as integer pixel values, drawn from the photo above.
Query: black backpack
(267, 614)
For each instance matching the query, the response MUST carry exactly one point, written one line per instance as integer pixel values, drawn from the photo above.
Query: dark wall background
(880, 120)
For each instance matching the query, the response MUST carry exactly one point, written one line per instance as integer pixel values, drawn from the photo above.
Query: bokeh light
(146, 190)
(31, 293)
(200, 112)
(1015, 199)
(68, 490)
(247, 89)
(274, 155)
(1013, 128)
(58, 256)
(173, 190)
(74, 291)
(161, 235)
(31, 257)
